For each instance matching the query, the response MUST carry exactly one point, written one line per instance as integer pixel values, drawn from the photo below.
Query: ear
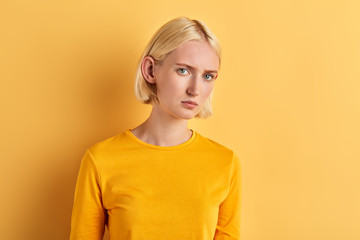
(147, 69)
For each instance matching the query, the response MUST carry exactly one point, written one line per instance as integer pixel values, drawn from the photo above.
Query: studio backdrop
(286, 100)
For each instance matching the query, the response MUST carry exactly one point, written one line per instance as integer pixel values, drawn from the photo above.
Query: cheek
(208, 89)
(169, 85)
(174, 83)
(162, 82)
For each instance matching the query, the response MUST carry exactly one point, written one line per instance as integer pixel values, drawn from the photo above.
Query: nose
(194, 86)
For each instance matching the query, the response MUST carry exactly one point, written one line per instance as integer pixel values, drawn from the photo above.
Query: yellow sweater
(191, 191)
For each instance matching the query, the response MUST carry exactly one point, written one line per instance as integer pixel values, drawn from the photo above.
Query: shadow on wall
(98, 102)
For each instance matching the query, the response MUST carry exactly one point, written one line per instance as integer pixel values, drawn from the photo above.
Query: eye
(209, 77)
(182, 71)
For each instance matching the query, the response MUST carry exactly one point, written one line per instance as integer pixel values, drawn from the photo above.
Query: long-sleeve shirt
(191, 191)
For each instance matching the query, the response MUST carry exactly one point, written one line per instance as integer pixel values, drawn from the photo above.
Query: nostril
(189, 92)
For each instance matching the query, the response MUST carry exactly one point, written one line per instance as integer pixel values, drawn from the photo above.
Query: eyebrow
(190, 67)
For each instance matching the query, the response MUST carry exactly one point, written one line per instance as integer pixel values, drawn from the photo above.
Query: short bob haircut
(169, 37)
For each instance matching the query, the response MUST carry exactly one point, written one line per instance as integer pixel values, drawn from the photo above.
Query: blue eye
(182, 71)
(209, 77)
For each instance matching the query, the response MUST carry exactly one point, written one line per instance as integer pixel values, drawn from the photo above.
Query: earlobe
(147, 69)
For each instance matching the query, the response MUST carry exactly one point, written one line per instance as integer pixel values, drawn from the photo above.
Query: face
(185, 79)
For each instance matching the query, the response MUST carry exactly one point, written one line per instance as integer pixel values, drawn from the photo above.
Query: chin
(183, 115)
(187, 116)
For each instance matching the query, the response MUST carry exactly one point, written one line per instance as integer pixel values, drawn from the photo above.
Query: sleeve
(88, 215)
(228, 226)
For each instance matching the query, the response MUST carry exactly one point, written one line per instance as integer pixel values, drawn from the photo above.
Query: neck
(163, 130)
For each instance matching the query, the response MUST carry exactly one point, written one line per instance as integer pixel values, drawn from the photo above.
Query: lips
(189, 104)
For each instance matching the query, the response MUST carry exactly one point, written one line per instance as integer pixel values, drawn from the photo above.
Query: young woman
(162, 180)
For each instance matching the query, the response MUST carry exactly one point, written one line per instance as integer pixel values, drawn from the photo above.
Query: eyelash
(183, 69)
(212, 77)
(180, 69)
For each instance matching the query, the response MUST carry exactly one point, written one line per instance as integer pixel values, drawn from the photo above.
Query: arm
(88, 215)
(228, 226)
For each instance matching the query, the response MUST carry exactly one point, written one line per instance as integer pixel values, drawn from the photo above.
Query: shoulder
(109, 146)
(219, 153)
(214, 147)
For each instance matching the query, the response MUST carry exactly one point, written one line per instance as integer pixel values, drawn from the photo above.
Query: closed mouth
(190, 102)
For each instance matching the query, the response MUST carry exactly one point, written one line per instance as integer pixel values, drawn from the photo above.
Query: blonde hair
(169, 37)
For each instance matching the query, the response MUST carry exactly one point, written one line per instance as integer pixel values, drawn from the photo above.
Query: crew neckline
(148, 145)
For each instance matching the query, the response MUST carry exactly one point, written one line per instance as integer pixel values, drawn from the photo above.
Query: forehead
(198, 54)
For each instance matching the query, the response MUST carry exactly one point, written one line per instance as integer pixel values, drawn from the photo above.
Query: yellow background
(286, 100)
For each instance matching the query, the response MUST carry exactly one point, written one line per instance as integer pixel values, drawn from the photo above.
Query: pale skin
(184, 80)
